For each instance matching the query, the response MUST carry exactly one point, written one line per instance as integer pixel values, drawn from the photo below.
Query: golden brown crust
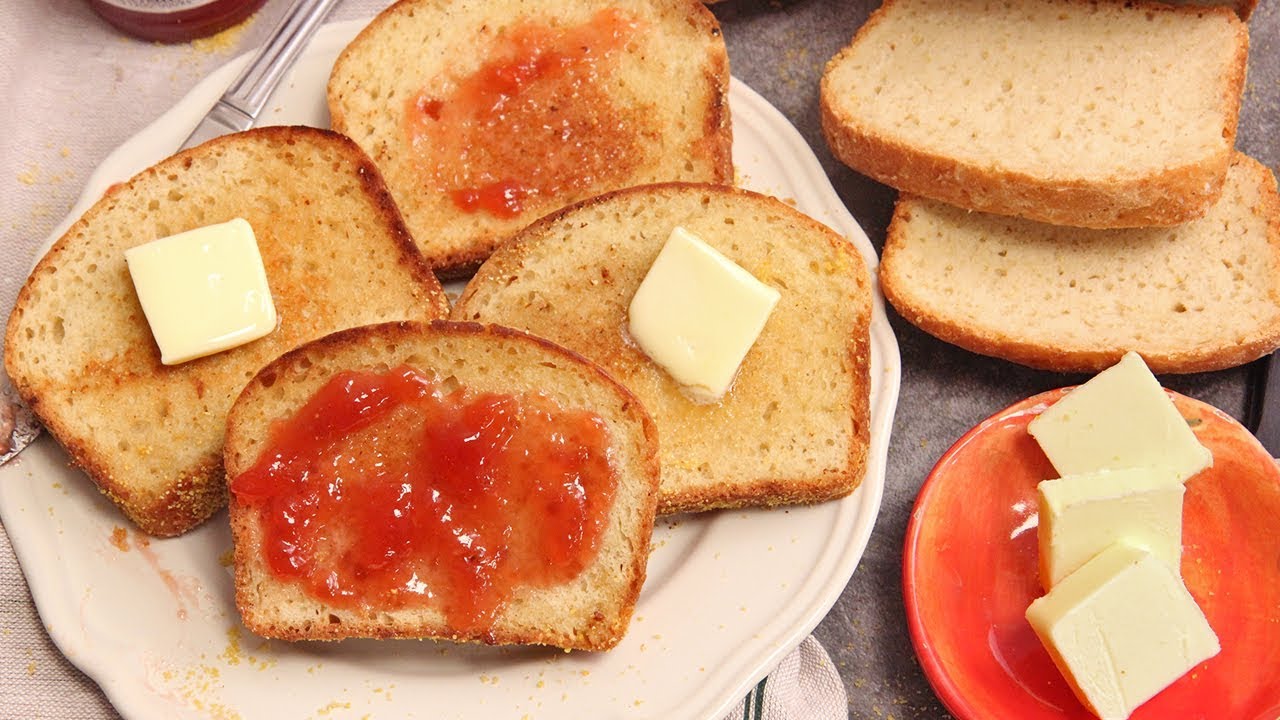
(600, 281)
(1167, 197)
(147, 434)
(277, 609)
(1000, 337)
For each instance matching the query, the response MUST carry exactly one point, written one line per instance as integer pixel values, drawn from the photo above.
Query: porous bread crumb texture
(80, 351)
(1197, 297)
(590, 612)
(671, 82)
(1065, 111)
(794, 425)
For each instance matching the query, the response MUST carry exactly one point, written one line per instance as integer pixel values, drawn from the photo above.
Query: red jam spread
(535, 119)
(389, 490)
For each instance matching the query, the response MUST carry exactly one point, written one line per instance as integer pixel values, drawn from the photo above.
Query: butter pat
(1082, 515)
(1120, 418)
(1121, 629)
(203, 291)
(697, 313)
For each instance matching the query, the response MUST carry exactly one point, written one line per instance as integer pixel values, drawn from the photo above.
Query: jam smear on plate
(393, 490)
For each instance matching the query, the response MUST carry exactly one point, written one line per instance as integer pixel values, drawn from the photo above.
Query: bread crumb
(31, 669)
(232, 652)
(335, 705)
(222, 42)
(120, 538)
(227, 558)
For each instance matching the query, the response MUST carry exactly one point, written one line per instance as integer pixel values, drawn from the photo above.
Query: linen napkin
(75, 90)
(804, 686)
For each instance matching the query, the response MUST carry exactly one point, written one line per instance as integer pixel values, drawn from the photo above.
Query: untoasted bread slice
(1243, 8)
(590, 611)
(586, 96)
(793, 428)
(1196, 297)
(80, 351)
(1090, 114)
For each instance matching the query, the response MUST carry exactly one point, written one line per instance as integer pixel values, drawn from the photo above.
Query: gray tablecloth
(73, 89)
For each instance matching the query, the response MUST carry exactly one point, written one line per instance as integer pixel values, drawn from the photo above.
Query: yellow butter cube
(697, 314)
(203, 291)
(1122, 628)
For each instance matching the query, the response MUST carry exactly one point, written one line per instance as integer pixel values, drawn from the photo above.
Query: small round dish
(970, 571)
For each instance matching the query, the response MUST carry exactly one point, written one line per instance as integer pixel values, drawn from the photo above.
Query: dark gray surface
(779, 48)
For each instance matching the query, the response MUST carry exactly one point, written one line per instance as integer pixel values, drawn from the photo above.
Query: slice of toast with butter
(484, 115)
(542, 536)
(81, 352)
(793, 426)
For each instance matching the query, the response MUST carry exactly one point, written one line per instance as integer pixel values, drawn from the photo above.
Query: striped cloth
(804, 686)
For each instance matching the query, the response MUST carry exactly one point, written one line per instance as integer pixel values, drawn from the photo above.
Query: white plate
(728, 593)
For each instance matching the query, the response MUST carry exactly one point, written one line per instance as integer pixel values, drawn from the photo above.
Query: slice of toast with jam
(484, 115)
(444, 480)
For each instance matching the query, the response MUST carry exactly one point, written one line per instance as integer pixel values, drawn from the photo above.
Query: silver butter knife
(238, 109)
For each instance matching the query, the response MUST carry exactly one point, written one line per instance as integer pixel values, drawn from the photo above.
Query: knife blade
(237, 109)
(18, 425)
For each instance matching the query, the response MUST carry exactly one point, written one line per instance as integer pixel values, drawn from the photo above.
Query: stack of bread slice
(1069, 189)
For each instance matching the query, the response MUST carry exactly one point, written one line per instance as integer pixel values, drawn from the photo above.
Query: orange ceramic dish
(970, 570)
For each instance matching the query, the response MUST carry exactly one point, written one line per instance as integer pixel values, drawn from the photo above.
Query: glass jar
(174, 20)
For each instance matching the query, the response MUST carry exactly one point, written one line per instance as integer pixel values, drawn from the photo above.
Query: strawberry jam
(535, 120)
(389, 490)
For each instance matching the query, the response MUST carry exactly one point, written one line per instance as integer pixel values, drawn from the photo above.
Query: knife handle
(249, 93)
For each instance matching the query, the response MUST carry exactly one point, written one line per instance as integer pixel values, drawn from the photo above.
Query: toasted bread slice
(1063, 111)
(588, 611)
(586, 96)
(80, 351)
(793, 428)
(1200, 296)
